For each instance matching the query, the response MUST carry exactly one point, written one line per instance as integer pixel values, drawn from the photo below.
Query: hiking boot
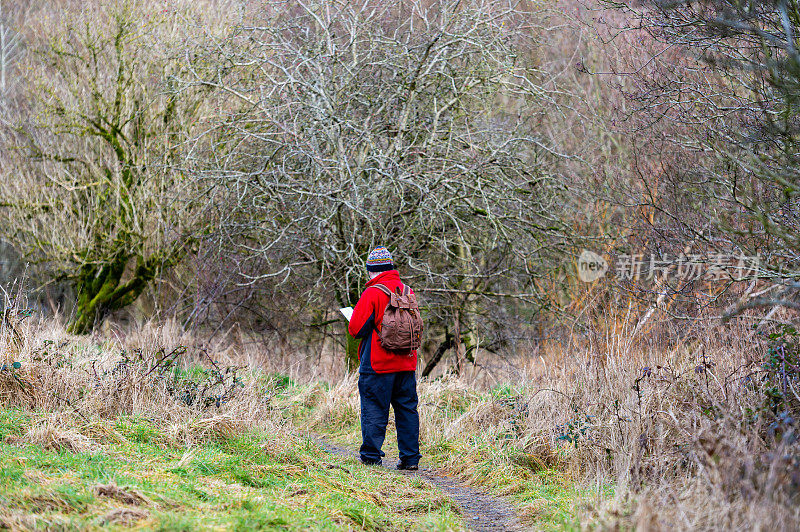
(371, 462)
(407, 467)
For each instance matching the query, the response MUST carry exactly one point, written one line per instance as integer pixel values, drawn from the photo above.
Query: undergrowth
(101, 434)
(698, 435)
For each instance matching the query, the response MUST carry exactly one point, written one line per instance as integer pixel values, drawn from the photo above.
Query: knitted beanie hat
(379, 260)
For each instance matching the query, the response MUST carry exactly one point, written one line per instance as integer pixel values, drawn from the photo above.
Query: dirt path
(482, 512)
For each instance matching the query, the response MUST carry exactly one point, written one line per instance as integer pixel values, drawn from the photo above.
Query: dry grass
(686, 433)
(683, 431)
(126, 495)
(79, 383)
(125, 516)
(52, 435)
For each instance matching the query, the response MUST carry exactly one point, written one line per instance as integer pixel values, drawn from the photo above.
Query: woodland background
(225, 167)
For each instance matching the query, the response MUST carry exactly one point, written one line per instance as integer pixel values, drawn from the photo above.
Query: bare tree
(352, 124)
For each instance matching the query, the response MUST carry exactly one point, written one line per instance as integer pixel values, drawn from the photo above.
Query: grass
(698, 436)
(253, 481)
(146, 458)
(547, 495)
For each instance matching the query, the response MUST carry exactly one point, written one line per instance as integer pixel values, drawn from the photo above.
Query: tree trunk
(440, 351)
(100, 290)
(95, 286)
(468, 337)
(351, 352)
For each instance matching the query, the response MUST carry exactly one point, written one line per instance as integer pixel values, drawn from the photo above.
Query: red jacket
(367, 315)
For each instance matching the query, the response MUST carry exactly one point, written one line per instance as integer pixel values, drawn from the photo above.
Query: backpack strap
(383, 289)
(388, 293)
(406, 290)
(394, 297)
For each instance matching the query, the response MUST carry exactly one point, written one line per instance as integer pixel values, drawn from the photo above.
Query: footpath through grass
(64, 471)
(470, 435)
(123, 473)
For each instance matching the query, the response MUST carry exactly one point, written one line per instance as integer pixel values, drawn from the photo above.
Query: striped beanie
(379, 260)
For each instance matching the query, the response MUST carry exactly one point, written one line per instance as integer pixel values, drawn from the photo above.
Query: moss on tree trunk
(350, 343)
(351, 352)
(101, 290)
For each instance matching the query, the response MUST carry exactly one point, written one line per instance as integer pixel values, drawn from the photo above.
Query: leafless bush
(344, 125)
(710, 89)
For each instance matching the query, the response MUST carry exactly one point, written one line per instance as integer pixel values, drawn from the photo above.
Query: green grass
(251, 482)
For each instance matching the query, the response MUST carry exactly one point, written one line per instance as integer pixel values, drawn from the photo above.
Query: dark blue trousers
(378, 391)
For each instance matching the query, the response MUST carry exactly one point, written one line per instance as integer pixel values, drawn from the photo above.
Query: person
(384, 378)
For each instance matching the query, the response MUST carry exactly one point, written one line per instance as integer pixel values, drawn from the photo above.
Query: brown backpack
(401, 328)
